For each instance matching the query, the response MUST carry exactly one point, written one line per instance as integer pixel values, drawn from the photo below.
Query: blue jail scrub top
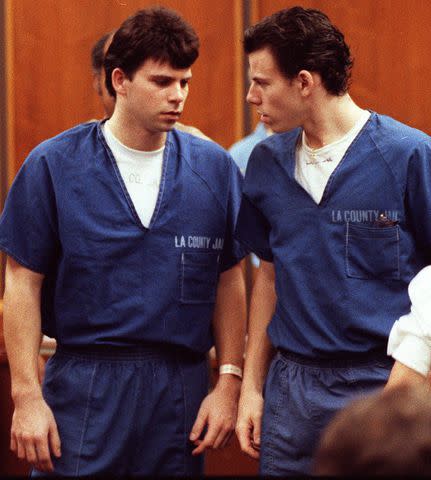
(342, 266)
(241, 150)
(108, 279)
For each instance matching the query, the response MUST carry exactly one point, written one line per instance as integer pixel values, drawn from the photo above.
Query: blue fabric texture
(300, 400)
(342, 266)
(242, 149)
(241, 152)
(128, 413)
(109, 280)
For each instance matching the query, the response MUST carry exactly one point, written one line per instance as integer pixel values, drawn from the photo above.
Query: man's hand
(218, 413)
(34, 434)
(249, 422)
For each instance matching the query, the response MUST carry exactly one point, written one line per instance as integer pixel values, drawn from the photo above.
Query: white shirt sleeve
(410, 338)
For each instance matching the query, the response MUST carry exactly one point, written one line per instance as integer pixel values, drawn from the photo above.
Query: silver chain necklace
(314, 158)
(309, 152)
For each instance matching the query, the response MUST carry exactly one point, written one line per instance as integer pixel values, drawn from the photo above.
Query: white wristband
(229, 368)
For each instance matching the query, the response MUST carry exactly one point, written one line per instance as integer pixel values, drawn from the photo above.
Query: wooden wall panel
(390, 42)
(3, 130)
(51, 74)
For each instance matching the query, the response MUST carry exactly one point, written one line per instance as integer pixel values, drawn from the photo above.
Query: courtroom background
(46, 87)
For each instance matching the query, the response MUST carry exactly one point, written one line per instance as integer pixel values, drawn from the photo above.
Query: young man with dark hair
(98, 53)
(119, 236)
(337, 207)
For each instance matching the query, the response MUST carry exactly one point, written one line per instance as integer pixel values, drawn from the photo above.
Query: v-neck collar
(289, 166)
(165, 180)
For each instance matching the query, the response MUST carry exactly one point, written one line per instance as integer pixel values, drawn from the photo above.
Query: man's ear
(306, 82)
(119, 80)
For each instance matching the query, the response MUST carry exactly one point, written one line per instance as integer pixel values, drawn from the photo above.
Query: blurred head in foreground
(388, 433)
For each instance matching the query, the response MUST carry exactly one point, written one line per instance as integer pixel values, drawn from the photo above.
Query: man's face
(155, 96)
(277, 98)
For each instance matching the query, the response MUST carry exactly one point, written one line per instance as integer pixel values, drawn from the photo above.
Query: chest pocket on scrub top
(372, 252)
(199, 273)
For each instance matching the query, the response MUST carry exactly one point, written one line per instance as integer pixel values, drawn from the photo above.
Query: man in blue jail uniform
(119, 236)
(337, 205)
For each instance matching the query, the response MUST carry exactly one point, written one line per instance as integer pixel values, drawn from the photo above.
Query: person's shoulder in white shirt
(410, 338)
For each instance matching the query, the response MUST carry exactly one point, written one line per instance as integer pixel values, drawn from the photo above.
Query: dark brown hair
(304, 39)
(98, 53)
(158, 33)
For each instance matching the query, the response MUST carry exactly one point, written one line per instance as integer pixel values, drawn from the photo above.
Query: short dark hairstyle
(304, 39)
(388, 433)
(158, 33)
(98, 53)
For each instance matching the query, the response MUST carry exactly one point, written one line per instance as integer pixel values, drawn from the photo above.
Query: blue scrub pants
(301, 396)
(125, 411)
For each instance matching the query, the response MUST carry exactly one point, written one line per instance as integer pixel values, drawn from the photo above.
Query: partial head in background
(388, 433)
(97, 59)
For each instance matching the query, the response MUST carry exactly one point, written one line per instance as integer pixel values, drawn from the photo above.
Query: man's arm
(258, 355)
(401, 374)
(34, 431)
(219, 409)
(410, 338)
